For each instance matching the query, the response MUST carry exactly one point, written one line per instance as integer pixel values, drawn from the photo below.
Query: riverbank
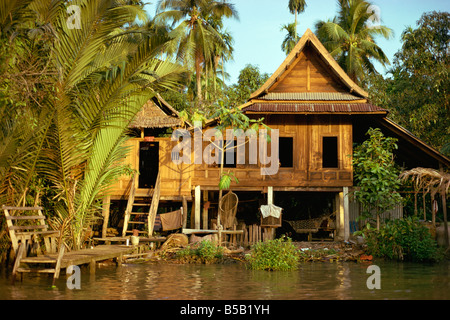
(177, 249)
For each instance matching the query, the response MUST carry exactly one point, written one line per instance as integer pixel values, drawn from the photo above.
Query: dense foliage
(402, 239)
(416, 88)
(67, 95)
(249, 80)
(278, 254)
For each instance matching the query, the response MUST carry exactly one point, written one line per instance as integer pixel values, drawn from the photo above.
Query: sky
(257, 34)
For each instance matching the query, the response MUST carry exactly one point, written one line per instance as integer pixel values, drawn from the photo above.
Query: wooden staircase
(135, 217)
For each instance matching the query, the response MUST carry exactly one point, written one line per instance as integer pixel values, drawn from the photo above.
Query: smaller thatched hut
(432, 181)
(155, 116)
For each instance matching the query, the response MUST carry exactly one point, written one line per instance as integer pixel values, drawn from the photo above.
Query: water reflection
(172, 282)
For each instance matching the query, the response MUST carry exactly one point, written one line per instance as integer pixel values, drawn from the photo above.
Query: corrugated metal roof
(314, 107)
(330, 96)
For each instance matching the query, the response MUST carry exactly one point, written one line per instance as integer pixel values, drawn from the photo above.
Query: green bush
(278, 254)
(402, 239)
(203, 252)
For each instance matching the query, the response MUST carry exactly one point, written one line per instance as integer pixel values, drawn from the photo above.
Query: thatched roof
(428, 179)
(156, 113)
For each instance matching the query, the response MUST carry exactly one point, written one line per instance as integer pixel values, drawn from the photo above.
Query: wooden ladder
(133, 202)
(25, 229)
(43, 260)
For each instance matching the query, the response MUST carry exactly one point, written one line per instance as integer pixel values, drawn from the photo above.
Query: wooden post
(415, 202)
(92, 266)
(105, 213)
(185, 211)
(346, 215)
(192, 219)
(424, 207)
(269, 195)
(340, 215)
(197, 207)
(205, 210)
(433, 210)
(444, 208)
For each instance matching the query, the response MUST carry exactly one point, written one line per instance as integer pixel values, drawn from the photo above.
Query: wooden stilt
(197, 207)
(185, 212)
(205, 210)
(105, 213)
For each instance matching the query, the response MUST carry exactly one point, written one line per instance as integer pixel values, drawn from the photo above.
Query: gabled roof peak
(309, 38)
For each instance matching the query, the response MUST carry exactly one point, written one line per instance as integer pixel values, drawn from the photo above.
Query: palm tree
(290, 40)
(195, 39)
(351, 40)
(296, 7)
(101, 75)
(222, 52)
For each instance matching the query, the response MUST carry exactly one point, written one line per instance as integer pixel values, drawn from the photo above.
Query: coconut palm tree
(296, 7)
(101, 75)
(351, 39)
(195, 39)
(290, 40)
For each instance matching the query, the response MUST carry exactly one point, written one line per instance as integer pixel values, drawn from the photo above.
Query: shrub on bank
(402, 239)
(204, 252)
(277, 254)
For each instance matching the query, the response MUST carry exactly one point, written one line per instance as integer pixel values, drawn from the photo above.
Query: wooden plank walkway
(84, 256)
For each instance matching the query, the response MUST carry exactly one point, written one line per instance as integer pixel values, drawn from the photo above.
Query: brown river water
(312, 281)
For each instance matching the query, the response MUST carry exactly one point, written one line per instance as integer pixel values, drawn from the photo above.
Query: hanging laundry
(171, 220)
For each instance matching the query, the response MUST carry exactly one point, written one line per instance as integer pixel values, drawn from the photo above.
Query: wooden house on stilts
(319, 113)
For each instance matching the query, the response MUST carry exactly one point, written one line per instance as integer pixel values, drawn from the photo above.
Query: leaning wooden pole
(154, 206)
(129, 205)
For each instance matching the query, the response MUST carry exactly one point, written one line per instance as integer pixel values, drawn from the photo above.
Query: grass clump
(205, 251)
(273, 255)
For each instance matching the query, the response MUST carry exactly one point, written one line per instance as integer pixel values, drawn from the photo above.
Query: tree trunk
(295, 34)
(415, 203)
(424, 206)
(378, 221)
(198, 76)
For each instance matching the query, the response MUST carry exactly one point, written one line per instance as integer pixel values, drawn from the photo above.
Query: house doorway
(148, 164)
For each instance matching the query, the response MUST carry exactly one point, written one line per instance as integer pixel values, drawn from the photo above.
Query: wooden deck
(85, 256)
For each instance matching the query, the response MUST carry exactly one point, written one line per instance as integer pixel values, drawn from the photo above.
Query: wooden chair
(26, 226)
